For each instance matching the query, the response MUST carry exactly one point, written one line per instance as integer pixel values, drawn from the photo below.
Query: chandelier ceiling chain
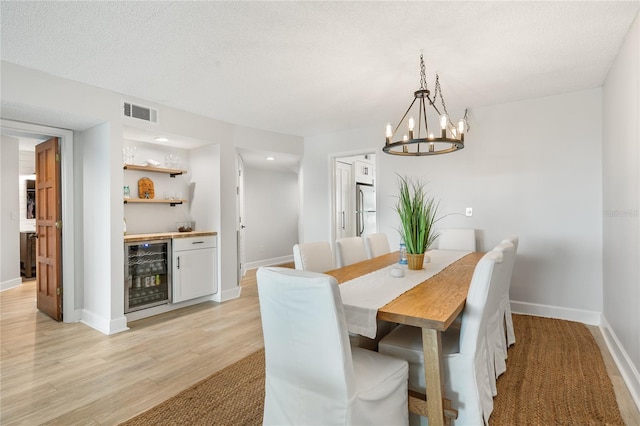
(451, 138)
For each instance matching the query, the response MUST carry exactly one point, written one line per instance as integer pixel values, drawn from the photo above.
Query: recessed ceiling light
(161, 139)
(270, 158)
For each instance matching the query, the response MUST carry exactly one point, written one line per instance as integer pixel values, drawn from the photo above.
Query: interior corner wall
(529, 168)
(9, 211)
(97, 243)
(621, 209)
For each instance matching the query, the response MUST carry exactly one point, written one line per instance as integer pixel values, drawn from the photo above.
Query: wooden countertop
(132, 238)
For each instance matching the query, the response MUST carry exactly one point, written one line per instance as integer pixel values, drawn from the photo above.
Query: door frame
(18, 129)
(333, 158)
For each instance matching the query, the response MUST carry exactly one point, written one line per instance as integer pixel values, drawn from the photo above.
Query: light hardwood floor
(67, 374)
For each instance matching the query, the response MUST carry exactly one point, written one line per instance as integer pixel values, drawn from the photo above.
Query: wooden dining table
(431, 305)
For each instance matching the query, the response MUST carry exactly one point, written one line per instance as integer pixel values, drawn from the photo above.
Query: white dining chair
(466, 364)
(313, 375)
(496, 337)
(313, 256)
(457, 239)
(350, 250)
(377, 244)
(508, 319)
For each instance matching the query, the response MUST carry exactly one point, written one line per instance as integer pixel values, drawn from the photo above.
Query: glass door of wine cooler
(147, 274)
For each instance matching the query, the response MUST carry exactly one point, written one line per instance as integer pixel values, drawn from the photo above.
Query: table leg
(434, 375)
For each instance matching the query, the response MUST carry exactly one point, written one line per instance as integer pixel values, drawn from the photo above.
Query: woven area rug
(232, 396)
(555, 376)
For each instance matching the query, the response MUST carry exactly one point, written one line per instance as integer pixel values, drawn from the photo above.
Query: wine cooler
(147, 274)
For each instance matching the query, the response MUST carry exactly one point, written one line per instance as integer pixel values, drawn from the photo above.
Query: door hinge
(58, 291)
(59, 224)
(57, 157)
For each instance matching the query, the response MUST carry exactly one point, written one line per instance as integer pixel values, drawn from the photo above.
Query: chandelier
(419, 140)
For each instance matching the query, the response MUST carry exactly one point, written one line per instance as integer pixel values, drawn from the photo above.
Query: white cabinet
(364, 172)
(194, 267)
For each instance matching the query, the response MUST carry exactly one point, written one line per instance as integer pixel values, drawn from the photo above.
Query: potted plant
(417, 213)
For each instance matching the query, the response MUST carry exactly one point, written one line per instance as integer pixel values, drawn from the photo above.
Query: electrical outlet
(469, 211)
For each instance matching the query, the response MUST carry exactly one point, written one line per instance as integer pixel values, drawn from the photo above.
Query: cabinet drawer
(194, 243)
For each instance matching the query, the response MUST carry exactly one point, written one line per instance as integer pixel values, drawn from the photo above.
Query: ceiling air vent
(140, 112)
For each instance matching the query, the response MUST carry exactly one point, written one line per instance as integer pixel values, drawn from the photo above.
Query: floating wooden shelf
(170, 172)
(153, 201)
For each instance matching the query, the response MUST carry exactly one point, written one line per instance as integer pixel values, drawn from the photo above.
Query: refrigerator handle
(361, 212)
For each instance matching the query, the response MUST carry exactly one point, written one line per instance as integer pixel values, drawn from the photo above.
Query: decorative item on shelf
(417, 212)
(152, 163)
(172, 161)
(416, 143)
(185, 226)
(128, 154)
(145, 188)
(126, 192)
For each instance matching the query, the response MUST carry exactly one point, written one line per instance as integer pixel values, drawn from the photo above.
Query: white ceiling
(311, 67)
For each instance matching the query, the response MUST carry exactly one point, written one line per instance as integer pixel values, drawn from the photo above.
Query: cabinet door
(194, 274)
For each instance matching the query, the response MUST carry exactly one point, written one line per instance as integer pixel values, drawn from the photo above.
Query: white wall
(271, 215)
(9, 211)
(529, 168)
(100, 304)
(621, 214)
(36, 96)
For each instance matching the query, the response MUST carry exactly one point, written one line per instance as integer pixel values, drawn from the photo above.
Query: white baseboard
(73, 316)
(223, 296)
(269, 262)
(13, 283)
(559, 312)
(627, 370)
(104, 325)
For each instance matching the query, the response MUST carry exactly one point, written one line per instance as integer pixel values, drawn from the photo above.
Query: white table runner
(363, 296)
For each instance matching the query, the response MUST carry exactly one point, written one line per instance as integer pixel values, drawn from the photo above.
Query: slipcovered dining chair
(457, 239)
(314, 256)
(496, 337)
(467, 375)
(350, 250)
(377, 244)
(508, 320)
(313, 376)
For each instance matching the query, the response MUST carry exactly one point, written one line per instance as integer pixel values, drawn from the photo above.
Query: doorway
(19, 130)
(351, 175)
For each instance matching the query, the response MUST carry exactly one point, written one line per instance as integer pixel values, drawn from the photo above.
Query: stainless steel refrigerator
(365, 209)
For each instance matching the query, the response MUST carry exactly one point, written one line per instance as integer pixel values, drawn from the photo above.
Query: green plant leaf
(418, 215)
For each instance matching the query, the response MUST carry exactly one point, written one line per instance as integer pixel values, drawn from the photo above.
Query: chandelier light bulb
(443, 121)
(412, 125)
(461, 126)
(405, 138)
(389, 132)
(431, 136)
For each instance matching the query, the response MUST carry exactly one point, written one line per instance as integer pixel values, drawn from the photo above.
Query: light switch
(469, 211)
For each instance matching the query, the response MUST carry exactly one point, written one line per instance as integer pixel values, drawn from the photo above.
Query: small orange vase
(415, 261)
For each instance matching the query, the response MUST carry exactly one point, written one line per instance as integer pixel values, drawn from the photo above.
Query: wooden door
(49, 229)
